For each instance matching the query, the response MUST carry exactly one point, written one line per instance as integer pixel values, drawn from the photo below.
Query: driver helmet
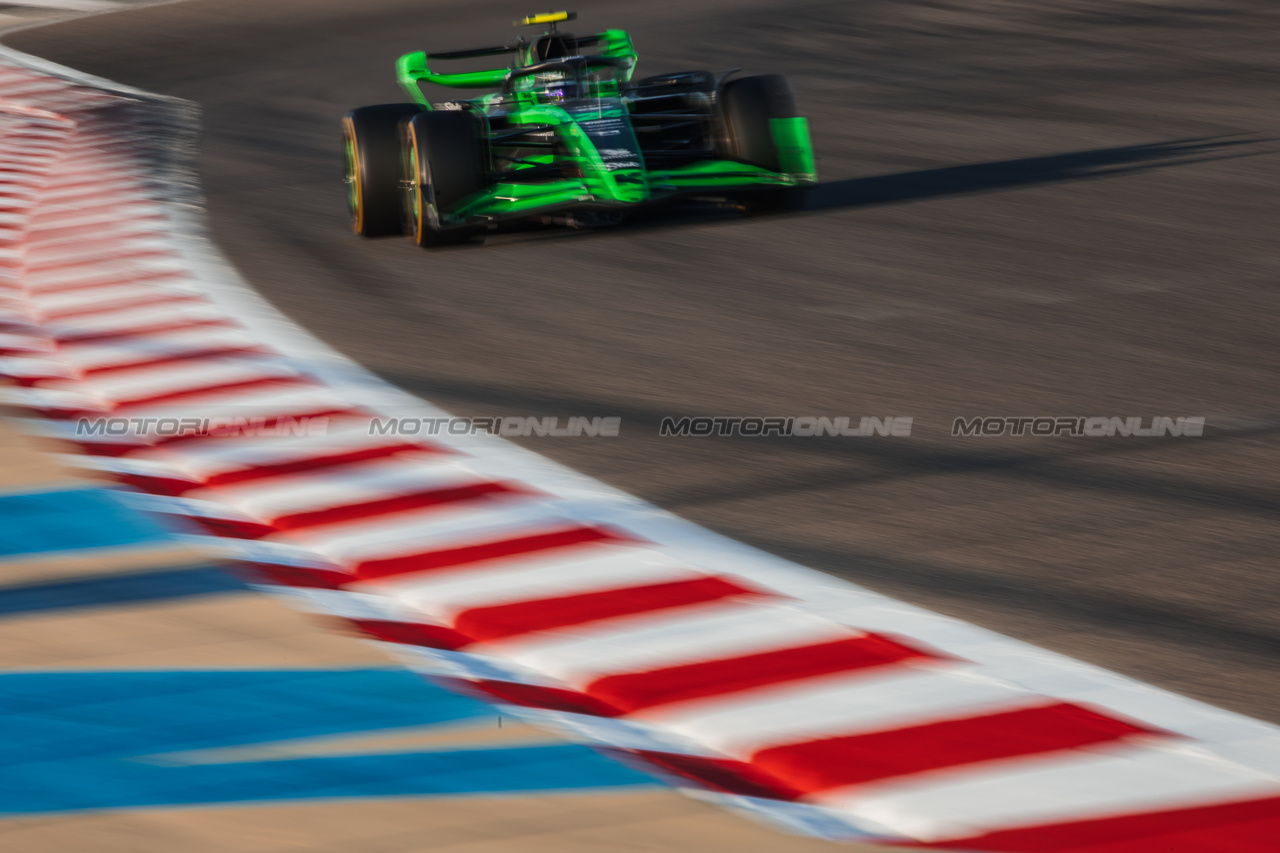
(557, 86)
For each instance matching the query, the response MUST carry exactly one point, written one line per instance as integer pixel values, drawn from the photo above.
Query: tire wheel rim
(422, 211)
(415, 201)
(351, 178)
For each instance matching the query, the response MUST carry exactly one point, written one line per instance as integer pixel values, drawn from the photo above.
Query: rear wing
(412, 68)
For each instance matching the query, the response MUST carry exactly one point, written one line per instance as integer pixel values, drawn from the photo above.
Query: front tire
(746, 109)
(445, 164)
(371, 137)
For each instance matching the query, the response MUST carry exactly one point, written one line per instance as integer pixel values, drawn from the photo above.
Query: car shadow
(1025, 172)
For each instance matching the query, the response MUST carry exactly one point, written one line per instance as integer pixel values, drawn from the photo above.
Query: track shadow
(1026, 171)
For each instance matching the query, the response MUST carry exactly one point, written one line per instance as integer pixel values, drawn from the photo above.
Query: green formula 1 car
(567, 137)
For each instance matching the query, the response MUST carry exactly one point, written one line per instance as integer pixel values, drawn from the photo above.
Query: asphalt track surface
(1028, 209)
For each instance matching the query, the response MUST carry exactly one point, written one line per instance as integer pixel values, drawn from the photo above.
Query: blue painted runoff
(90, 740)
(72, 520)
(117, 589)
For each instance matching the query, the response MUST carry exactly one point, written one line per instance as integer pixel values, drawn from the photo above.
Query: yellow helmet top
(546, 18)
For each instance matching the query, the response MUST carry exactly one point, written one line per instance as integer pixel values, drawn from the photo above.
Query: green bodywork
(523, 99)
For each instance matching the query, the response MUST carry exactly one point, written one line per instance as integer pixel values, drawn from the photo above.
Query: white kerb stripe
(343, 485)
(714, 633)
(247, 403)
(1190, 719)
(91, 248)
(71, 300)
(27, 343)
(32, 367)
(544, 579)
(189, 375)
(431, 529)
(96, 355)
(130, 219)
(1074, 785)
(120, 191)
(53, 197)
(87, 276)
(611, 732)
(850, 703)
(137, 318)
(524, 647)
(74, 5)
(349, 605)
(222, 455)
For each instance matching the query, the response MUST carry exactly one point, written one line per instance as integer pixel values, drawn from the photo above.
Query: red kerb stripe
(634, 691)
(297, 466)
(307, 577)
(449, 557)
(157, 358)
(399, 503)
(538, 696)
(411, 633)
(1252, 826)
(717, 774)
(833, 762)
(508, 620)
(216, 387)
(162, 485)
